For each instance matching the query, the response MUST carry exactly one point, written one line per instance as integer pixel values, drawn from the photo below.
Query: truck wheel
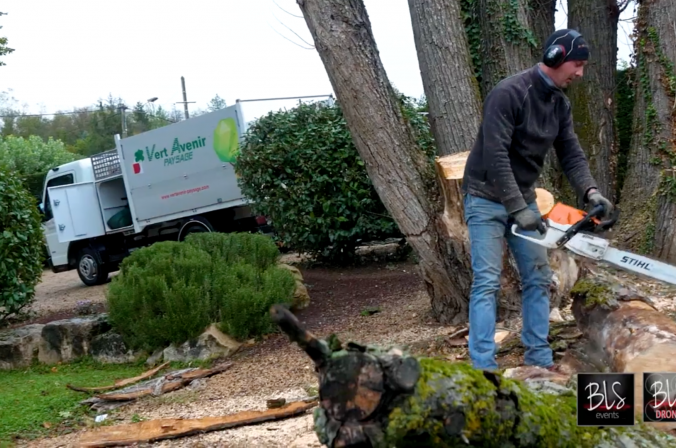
(90, 269)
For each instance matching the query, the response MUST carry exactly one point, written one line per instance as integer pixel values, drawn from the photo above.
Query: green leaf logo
(139, 156)
(226, 141)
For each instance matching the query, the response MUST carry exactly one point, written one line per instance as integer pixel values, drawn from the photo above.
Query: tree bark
(507, 42)
(592, 98)
(541, 19)
(373, 398)
(455, 114)
(452, 92)
(650, 186)
(627, 331)
(404, 179)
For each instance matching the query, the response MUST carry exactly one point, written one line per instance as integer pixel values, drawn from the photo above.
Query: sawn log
(627, 331)
(374, 398)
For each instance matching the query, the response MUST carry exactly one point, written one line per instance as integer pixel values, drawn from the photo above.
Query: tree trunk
(373, 398)
(592, 98)
(628, 332)
(507, 41)
(541, 19)
(403, 177)
(650, 186)
(451, 90)
(455, 113)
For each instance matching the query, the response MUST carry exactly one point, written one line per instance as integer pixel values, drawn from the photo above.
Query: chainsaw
(573, 229)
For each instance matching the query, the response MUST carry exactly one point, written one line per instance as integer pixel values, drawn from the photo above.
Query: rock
(69, 339)
(109, 348)
(301, 298)
(213, 343)
(20, 346)
(155, 358)
(555, 316)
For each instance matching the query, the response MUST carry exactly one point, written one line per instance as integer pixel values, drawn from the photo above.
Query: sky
(73, 52)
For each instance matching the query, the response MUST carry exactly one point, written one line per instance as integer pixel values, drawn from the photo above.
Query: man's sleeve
(498, 126)
(573, 161)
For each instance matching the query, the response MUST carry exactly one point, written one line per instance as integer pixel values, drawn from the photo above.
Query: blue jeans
(488, 223)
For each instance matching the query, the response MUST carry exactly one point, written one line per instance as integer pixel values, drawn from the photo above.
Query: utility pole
(185, 99)
(124, 120)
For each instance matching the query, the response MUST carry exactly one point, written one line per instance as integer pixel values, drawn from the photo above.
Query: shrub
(32, 157)
(171, 292)
(230, 248)
(301, 169)
(161, 295)
(21, 245)
(245, 296)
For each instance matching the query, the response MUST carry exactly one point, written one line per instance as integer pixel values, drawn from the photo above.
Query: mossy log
(627, 331)
(375, 398)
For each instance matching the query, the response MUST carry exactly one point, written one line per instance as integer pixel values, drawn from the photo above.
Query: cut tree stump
(374, 398)
(627, 331)
(450, 171)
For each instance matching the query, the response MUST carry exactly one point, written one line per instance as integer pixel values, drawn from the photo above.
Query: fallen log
(170, 428)
(626, 330)
(163, 385)
(375, 398)
(120, 383)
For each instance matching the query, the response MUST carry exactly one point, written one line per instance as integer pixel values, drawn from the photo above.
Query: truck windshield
(66, 179)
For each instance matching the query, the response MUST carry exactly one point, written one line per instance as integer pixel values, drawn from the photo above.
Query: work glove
(527, 219)
(595, 198)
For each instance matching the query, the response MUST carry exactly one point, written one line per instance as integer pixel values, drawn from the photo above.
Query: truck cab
(71, 173)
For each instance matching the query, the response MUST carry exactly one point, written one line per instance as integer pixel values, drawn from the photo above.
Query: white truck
(159, 185)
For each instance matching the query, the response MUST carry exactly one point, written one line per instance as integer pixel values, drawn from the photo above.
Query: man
(523, 116)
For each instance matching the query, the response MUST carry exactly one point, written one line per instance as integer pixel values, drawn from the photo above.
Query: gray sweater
(523, 116)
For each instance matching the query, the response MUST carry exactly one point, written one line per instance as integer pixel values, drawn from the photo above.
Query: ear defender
(556, 54)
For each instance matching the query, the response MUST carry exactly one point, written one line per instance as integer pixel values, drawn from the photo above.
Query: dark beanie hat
(574, 44)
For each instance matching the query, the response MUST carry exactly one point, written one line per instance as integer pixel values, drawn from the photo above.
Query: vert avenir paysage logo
(225, 145)
(605, 399)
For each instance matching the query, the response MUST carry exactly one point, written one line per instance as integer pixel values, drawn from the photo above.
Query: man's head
(566, 53)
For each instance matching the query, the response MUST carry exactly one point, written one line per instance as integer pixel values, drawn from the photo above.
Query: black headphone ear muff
(556, 54)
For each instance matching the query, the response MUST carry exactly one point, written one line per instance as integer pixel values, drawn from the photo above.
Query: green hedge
(301, 169)
(171, 292)
(21, 244)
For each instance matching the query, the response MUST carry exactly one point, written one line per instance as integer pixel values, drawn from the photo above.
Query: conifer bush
(170, 292)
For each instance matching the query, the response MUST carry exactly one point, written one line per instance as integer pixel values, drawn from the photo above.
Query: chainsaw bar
(569, 236)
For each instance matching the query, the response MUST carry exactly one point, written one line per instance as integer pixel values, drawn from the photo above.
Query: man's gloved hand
(596, 198)
(527, 219)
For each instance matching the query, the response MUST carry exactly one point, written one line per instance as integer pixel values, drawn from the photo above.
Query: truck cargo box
(184, 168)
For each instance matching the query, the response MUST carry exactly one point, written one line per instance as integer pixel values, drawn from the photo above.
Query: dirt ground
(274, 368)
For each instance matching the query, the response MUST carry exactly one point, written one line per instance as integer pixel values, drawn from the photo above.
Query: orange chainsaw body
(566, 215)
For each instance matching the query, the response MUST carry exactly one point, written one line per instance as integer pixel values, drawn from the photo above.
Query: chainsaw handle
(547, 240)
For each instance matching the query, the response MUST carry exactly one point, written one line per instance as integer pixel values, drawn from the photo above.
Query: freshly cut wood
(632, 335)
(453, 166)
(171, 428)
(120, 383)
(374, 398)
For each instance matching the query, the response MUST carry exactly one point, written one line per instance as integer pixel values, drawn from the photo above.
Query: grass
(35, 402)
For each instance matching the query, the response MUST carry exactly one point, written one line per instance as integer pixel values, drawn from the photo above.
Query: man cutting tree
(523, 116)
